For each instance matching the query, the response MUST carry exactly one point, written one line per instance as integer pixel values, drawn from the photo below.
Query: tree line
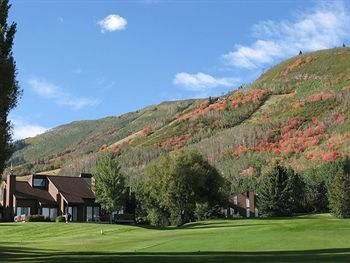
(177, 188)
(182, 186)
(283, 192)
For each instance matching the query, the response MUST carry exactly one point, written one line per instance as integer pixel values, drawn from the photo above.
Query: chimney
(10, 191)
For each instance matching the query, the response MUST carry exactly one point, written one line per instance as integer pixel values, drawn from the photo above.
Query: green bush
(60, 219)
(201, 211)
(36, 218)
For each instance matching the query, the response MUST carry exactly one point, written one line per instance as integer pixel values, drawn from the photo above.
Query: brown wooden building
(49, 196)
(244, 204)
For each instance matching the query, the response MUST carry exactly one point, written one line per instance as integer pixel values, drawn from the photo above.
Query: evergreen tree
(109, 183)
(9, 88)
(297, 188)
(339, 195)
(275, 198)
(317, 197)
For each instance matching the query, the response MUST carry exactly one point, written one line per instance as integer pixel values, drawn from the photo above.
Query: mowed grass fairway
(316, 238)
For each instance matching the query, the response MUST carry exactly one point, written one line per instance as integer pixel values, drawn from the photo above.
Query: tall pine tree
(339, 194)
(297, 189)
(275, 193)
(9, 88)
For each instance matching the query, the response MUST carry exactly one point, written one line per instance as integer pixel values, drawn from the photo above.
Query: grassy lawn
(300, 239)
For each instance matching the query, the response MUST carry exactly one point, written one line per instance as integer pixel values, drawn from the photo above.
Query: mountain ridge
(297, 111)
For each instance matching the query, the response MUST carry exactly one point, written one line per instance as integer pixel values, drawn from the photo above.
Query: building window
(232, 211)
(39, 182)
(53, 213)
(96, 213)
(247, 202)
(92, 213)
(89, 215)
(235, 201)
(23, 211)
(87, 180)
(49, 212)
(45, 212)
(73, 211)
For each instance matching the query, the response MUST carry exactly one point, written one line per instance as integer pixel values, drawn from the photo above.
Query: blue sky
(91, 59)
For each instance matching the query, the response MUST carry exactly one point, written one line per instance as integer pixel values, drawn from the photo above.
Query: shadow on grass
(9, 225)
(199, 225)
(229, 222)
(36, 255)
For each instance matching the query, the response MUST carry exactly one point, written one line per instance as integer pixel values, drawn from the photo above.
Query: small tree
(275, 198)
(109, 183)
(339, 194)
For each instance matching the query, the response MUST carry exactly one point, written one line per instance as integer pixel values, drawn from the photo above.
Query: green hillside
(316, 238)
(298, 112)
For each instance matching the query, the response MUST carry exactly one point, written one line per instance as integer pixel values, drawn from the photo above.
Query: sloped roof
(73, 189)
(25, 191)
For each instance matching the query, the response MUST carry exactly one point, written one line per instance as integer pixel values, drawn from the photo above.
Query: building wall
(60, 201)
(10, 190)
(241, 207)
(81, 213)
(53, 190)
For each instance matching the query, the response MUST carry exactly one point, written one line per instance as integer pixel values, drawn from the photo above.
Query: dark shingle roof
(25, 191)
(73, 189)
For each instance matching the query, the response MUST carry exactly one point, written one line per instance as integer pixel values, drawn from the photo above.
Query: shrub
(36, 218)
(201, 211)
(60, 219)
(216, 211)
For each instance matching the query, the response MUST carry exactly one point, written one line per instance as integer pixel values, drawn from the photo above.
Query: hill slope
(298, 112)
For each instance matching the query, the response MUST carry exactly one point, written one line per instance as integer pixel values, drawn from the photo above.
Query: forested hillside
(297, 112)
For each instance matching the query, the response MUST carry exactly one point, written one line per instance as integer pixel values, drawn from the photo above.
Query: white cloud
(326, 26)
(112, 23)
(23, 130)
(201, 81)
(59, 96)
